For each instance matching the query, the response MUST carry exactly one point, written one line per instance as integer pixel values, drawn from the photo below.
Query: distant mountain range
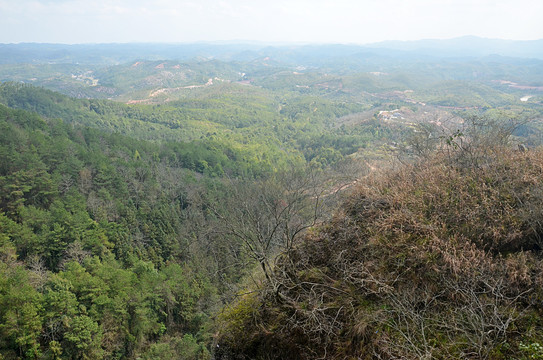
(470, 46)
(308, 55)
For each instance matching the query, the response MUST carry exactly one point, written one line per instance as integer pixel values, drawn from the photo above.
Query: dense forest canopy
(158, 201)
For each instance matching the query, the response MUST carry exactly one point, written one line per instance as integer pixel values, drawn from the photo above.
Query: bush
(440, 259)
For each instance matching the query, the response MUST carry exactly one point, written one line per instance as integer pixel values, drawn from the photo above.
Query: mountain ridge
(113, 53)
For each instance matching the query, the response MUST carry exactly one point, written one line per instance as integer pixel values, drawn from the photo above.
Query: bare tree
(268, 216)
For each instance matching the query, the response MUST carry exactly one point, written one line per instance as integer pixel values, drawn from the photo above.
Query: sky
(268, 21)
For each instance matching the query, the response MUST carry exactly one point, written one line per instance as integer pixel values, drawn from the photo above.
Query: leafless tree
(268, 216)
(38, 272)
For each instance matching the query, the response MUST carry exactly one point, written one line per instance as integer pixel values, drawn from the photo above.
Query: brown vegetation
(441, 259)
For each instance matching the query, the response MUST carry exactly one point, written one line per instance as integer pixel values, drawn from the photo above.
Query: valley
(235, 202)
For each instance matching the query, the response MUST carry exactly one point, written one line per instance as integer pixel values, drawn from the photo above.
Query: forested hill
(161, 209)
(95, 254)
(115, 247)
(235, 129)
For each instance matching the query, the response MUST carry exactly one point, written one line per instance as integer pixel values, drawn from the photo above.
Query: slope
(441, 259)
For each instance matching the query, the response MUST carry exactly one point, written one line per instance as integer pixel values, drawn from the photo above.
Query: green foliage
(532, 350)
(83, 338)
(186, 348)
(236, 318)
(111, 239)
(20, 308)
(97, 235)
(233, 129)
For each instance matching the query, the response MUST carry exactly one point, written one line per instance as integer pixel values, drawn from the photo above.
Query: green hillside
(119, 242)
(94, 259)
(250, 126)
(287, 202)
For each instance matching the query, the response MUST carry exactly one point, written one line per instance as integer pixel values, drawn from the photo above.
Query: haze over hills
(468, 46)
(125, 71)
(107, 54)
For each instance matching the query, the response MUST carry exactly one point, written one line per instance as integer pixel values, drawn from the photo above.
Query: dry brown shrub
(440, 259)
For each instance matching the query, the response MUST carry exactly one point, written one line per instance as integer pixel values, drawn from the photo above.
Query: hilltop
(439, 259)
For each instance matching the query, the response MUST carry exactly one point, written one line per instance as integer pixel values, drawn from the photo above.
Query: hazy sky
(316, 21)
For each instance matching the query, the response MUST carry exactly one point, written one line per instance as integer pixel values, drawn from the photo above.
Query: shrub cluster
(440, 259)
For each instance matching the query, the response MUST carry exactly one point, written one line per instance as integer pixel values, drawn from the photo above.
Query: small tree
(268, 216)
